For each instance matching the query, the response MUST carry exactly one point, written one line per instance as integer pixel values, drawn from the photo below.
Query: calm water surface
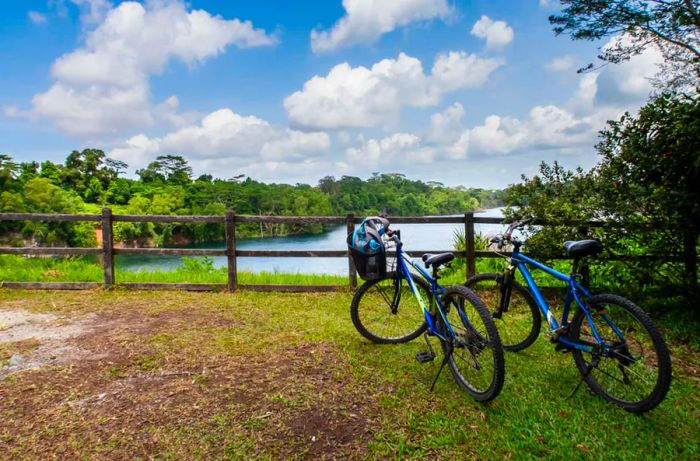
(414, 236)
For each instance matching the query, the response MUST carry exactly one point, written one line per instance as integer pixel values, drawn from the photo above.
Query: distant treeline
(88, 180)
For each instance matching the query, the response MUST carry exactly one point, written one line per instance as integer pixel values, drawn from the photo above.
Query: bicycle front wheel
(474, 354)
(635, 372)
(385, 311)
(520, 321)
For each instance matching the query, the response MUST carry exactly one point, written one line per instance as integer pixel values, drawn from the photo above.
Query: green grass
(195, 270)
(532, 418)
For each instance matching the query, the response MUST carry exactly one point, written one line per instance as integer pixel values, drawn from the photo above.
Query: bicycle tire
(371, 313)
(636, 325)
(476, 338)
(520, 325)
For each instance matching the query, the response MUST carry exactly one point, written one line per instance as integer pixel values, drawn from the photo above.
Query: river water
(414, 236)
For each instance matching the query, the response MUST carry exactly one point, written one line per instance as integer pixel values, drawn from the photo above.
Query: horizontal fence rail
(229, 220)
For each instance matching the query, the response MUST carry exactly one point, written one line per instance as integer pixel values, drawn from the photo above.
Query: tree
(83, 173)
(115, 166)
(8, 171)
(172, 169)
(672, 26)
(650, 173)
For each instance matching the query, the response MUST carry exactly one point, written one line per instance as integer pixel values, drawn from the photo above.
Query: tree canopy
(672, 26)
(647, 186)
(88, 180)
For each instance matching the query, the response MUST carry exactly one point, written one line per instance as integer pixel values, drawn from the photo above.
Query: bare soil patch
(124, 384)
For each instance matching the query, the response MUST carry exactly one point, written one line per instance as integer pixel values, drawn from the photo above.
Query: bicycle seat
(579, 248)
(438, 259)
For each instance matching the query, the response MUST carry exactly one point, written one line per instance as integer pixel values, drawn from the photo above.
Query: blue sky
(471, 93)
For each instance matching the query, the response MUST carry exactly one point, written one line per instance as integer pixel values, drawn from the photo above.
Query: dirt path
(180, 382)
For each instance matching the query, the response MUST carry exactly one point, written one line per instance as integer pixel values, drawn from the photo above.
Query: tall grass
(193, 270)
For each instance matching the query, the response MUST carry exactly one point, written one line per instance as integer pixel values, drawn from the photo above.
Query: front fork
(506, 288)
(397, 295)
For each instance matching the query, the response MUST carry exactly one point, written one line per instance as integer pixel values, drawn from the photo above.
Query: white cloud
(403, 147)
(366, 20)
(630, 81)
(458, 69)
(229, 138)
(93, 11)
(446, 126)
(295, 144)
(103, 86)
(496, 33)
(360, 97)
(36, 17)
(561, 64)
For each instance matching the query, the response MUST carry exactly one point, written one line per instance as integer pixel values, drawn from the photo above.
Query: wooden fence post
(469, 243)
(352, 272)
(585, 270)
(107, 247)
(230, 231)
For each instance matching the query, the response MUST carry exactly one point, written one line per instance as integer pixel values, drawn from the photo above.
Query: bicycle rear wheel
(385, 314)
(520, 322)
(475, 353)
(636, 374)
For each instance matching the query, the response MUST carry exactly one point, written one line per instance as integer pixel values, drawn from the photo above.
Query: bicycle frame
(403, 263)
(573, 293)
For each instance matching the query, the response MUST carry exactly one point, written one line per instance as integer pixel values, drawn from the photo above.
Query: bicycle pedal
(425, 356)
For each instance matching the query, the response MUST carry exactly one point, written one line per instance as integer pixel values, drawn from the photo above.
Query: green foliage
(165, 186)
(646, 187)
(671, 26)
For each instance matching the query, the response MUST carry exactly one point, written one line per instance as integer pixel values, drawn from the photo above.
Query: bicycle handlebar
(507, 236)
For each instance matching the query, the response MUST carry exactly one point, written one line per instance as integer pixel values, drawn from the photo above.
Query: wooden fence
(231, 252)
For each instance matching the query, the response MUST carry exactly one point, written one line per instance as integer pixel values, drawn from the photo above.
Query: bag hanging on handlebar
(367, 249)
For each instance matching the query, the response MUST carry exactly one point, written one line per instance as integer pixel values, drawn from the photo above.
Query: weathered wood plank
(48, 217)
(49, 251)
(291, 219)
(423, 220)
(294, 253)
(166, 218)
(230, 236)
(470, 246)
(352, 270)
(492, 254)
(174, 286)
(293, 288)
(51, 285)
(107, 247)
(171, 251)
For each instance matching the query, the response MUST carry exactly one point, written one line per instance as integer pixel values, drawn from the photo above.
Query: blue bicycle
(618, 350)
(398, 305)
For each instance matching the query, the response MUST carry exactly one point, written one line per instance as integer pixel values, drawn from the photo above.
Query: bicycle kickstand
(589, 368)
(442, 365)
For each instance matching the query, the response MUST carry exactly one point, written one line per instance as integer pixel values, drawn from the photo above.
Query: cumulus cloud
(366, 20)
(36, 17)
(93, 11)
(104, 85)
(561, 64)
(628, 82)
(352, 97)
(226, 137)
(398, 148)
(446, 126)
(496, 33)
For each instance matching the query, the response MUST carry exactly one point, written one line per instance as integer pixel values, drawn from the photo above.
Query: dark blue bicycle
(397, 305)
(617, 348)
